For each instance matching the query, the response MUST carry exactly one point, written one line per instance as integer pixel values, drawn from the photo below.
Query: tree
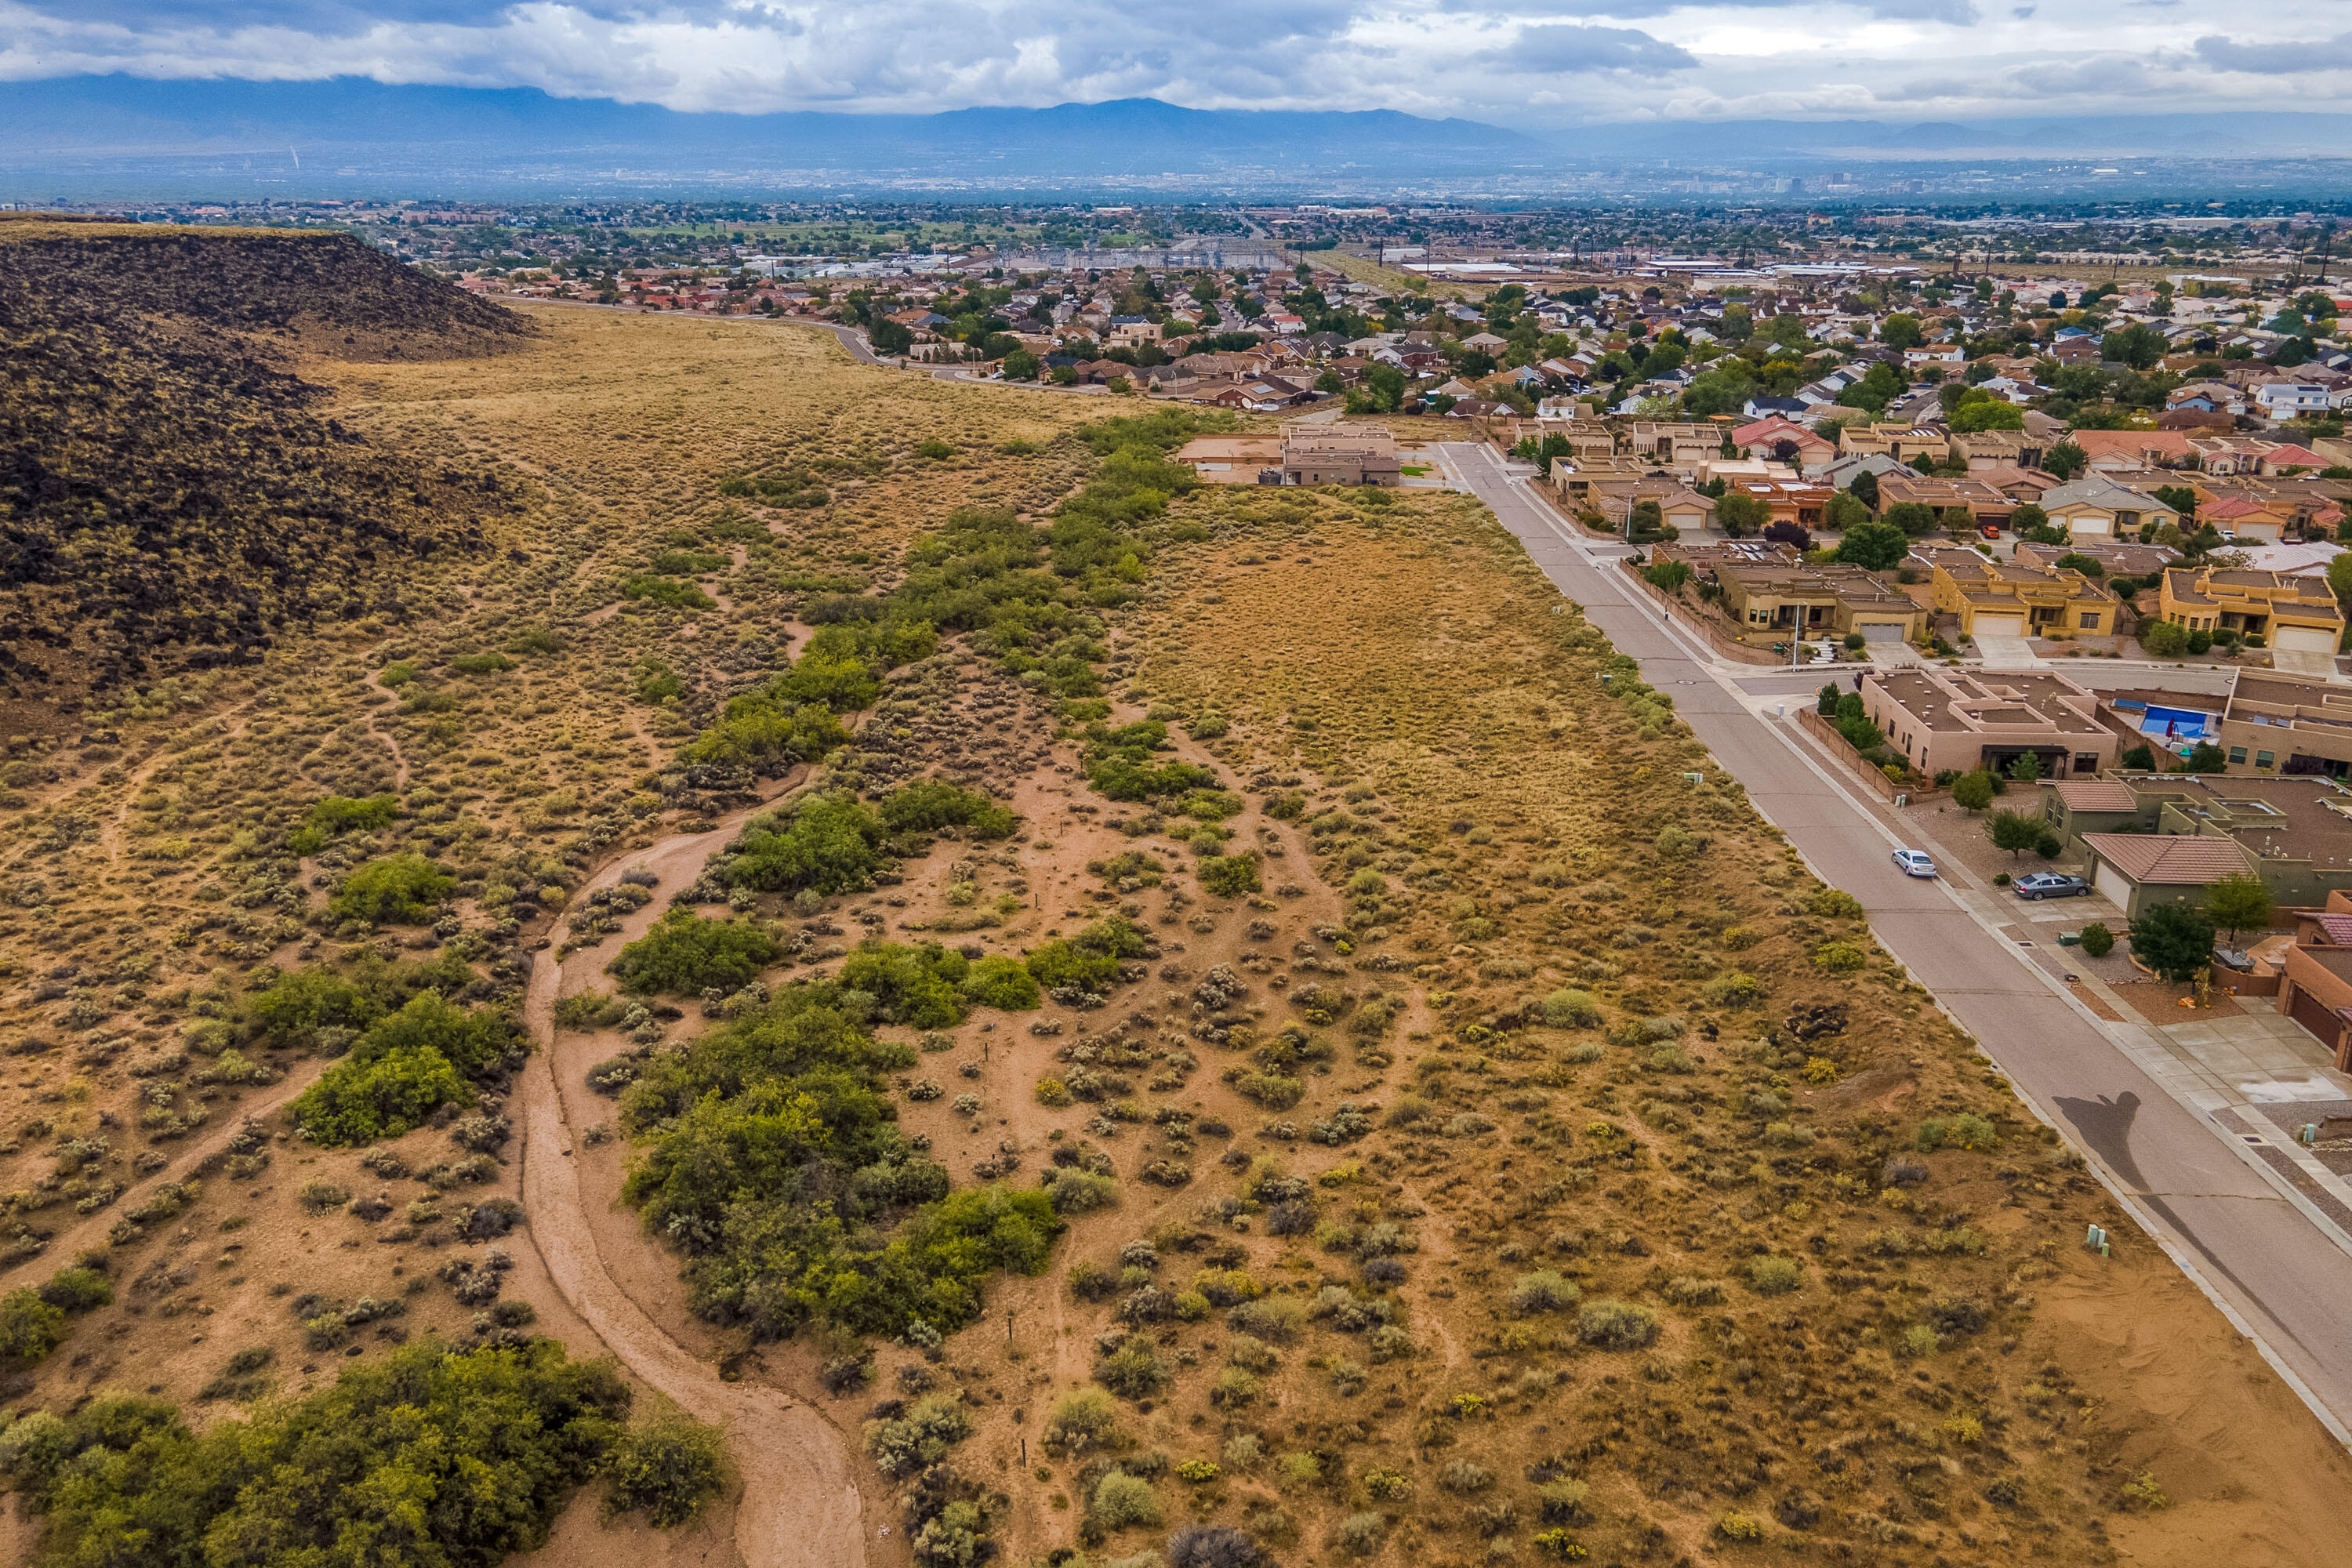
(2141, 758)
(1972, 791)
(2174, 940)
(2237, 902)
(1988, 413)
(2027, 768)
(1864, 489)
(1844, 510)
(1900, 331)
(1742, 514)
(1647, 524)
(399, 889)
(1792, 534)
(2163, 639)
(2204, 757)
(2137, 346)
(1874, 546)
(2014, 831)
(1912, 518)
(889, 336)
(1329, 384)
(1021, 366)
(2339, 578)
(2064, 459)
(1668, 575)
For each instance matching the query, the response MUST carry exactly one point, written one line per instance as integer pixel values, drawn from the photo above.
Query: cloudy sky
(1529, 63)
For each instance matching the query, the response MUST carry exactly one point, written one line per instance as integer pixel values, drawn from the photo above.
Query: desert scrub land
(1074, 1016)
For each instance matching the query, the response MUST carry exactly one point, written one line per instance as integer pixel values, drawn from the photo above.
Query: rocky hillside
(173, 494)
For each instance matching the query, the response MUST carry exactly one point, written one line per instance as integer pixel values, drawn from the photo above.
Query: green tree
(2026, 768)
(1972, 791)
(1876, 546)
(2065, 459)
(2239, 901)
(1021, 366)
(684, 953)
(1988, 413)
(1900, 331)
(2174, 940)
(1740, 514)
(1844, 510)
(666, 1469)
(2014, 831)
(1912, 518)
(399, 889)
(1647, 523)
(2339, 578)
(1329, 384)
(1864, 489)
(2163, 639)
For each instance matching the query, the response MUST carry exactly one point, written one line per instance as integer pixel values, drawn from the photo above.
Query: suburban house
(1980, 500)
(2115, 558)
(2005, 599)
(2286, 399)
(1900, 442)
(2167, 838)
(1134, 330)
(1982, 449)
(1233, 460)
(1784, 441)
(2134, 451)
(1816, 600)
(2097, 507)
(1339, 455)
(2290, 613)
(1680, 444)
(2276, 722)
(1954, 721)
(2316, 989)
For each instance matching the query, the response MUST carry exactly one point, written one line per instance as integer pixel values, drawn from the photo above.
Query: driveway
(2270, 1259)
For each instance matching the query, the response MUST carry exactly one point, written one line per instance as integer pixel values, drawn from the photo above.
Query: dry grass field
(1469, 1138)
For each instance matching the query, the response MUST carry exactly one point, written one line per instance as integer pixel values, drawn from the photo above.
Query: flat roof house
(1816, 600)
(2275, 722)
(1339, 455)
(1900, 442)
(1956, 721)
(2003, 599)
(2290, 613)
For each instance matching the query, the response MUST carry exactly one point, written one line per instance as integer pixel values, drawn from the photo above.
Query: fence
(1698, 619)
(1855, 764)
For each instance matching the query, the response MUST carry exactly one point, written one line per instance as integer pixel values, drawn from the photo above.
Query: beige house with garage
(1956, 720)
(2003, 599)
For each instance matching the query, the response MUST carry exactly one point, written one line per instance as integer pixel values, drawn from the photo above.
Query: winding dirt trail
(801, 1506)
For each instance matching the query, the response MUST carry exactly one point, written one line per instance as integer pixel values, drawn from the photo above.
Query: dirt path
(801, 1506)
(399, 757)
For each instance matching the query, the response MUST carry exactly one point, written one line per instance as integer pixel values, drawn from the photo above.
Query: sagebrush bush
(1121, 1500)
(668, 1470)
(1616, 1325)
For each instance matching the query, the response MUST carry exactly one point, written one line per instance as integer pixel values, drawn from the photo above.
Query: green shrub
(1228, 876)
(1000, 982)
(1966, 1131)
(826, 842)
(912, 986)
(1571, 1010)
(1077, 1192)
(1088, 961)
(1616, 1325)
(399, 889)
(1082, 1420)
(1542, 1291)
(2097, 939)
(667, 591)
(666, 1470)
(1121, 1500)
(933, 803)
(484, 1447)
(78, 1290)
(403, 1069)
(682, 954)
(1775, 1275)
(30, 1328)
(903, 1445)
(1833, 903)
(1132, 1369)
(1739, 1527)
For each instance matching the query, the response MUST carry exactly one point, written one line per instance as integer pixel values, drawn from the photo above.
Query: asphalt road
(2251, 1250)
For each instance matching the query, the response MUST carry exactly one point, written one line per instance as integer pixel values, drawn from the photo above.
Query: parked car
(1990, 530)
(2052, 885)
(1914, 863)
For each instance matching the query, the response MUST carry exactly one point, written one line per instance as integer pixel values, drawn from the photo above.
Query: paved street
(2265, 1255)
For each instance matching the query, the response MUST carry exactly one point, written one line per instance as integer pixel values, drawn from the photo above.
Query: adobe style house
(2276, 722)
(1816, 600)
(2315, 990)
(2284, 611)
(1956, 720)
(1339, 455)
(1900, 442)
(2003, 599)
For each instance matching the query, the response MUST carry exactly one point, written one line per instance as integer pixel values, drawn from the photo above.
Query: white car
(1914, 863)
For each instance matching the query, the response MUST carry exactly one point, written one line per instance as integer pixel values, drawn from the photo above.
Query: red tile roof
(2174, 859)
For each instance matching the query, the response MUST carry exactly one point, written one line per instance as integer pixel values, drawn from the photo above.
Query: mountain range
(115, 137)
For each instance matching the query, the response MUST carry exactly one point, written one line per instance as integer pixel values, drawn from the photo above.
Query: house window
(2264, 759)
(2090, 623)
(2237, 755)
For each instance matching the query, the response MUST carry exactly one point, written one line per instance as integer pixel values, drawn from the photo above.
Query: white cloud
(1480, 58)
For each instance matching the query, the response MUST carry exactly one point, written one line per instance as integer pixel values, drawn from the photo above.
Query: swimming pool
(2179, 724)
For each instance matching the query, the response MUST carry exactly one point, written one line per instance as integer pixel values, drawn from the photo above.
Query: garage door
(2307, 639)
(1889, 631)
(2000, 626)
(2306, 1010)
(2111, 886)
